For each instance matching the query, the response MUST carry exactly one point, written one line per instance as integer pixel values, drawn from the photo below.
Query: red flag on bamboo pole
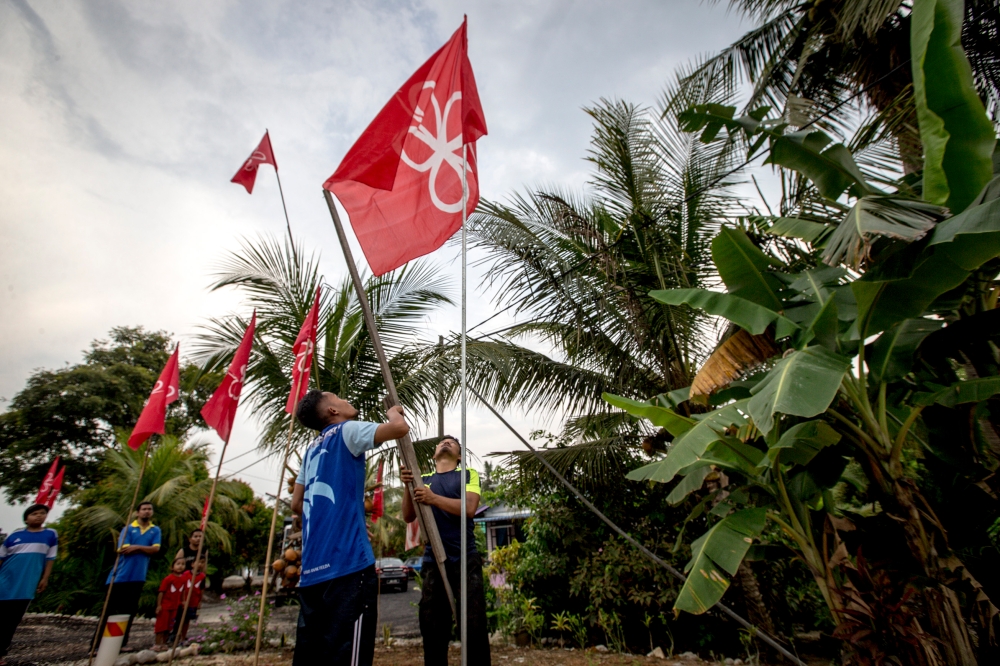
(401, 181)
(47, 483)
(154, 413)
(305, 345)
(56, 487)
(220, 410)
(204, 515)
(378, 502)
(247, 175)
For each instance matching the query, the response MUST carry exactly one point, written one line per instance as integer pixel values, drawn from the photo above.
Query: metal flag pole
(282, 193)
(464, 605)
(425, 515)
(197, 557)
(118, 556)
(274, 522)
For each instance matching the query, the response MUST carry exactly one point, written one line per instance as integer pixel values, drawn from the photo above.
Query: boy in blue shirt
(26, 558)
(137, 544)
(338, 588)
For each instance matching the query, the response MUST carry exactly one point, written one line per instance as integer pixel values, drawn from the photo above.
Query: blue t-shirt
(22, 560)
(448, 484)
(132, 568)
(334, 538)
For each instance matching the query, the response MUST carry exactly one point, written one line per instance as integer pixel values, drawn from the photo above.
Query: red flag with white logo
(378, 502)
(154, 413)
(56, 487)
(401, 182)
(47, 483)
(412, 535)
(305, 345)
(204, 515)
(220, 410)
(247, 175)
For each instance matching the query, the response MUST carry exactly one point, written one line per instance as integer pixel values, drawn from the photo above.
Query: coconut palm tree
(809, 57)
(579, 268)
(279, 281)
(176, 481)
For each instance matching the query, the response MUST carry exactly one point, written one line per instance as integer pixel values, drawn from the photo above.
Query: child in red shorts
(167, 602)
(181, 624)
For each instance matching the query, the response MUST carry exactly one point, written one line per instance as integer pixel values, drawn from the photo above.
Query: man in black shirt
(443, 494)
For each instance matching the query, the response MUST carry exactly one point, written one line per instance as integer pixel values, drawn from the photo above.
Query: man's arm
(148, 550)
(453, 506)
(409, 511)
(298, 496)
(44, 582)
(394, 428)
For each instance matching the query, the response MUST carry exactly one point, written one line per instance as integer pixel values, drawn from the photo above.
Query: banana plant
(843, 359)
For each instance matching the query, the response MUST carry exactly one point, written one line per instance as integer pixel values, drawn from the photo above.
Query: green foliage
(958, 137)
(79, 412)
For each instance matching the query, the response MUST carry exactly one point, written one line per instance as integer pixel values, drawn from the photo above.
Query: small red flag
(378, 502)
(204, 516)
(305, 345)
(412, 535)
(47, 483)
(220, 410)
(247, 175)
(401, 181)
(56, 487)
(154, 413)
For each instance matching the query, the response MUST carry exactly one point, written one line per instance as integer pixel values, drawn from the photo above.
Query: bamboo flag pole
(118, 556)
(270, 539)
(204, 521)
(425, 516)
(284, 207)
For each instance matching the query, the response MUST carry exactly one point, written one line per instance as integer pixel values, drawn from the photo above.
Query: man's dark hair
(451, 437)
(142, 504)
(33, 508)
(195, 531)
(307, 411)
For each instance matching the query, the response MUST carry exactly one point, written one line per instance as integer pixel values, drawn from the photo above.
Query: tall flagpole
(274, 522)
(283, 206)
(425, 515)
(464, 605)
(118, 556)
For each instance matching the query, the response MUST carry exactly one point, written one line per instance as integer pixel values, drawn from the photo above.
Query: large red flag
(56, 487)
(47, 483)
(378, 502)
(401, 182)
(247, 175)
(305, 345)
(220, 410)
(154, 414)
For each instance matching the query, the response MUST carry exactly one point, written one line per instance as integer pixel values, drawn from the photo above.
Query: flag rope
(764, 636)
(118, 555)
(270, 540)
(204, 523)
(425, 516)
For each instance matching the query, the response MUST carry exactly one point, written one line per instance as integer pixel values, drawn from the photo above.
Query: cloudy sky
(122, 124)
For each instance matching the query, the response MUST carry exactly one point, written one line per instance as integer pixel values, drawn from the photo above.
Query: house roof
(499, 512)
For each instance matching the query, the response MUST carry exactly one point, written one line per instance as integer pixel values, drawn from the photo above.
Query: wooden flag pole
(425, 515)
(118, 555)
(201, 544)
(270, 539)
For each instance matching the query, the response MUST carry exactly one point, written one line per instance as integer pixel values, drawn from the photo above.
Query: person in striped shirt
(26, 558)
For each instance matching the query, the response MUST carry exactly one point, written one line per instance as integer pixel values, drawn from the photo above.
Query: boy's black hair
(307, 411)
(142, 504)
(197, 529)
(451, 437)
(33, 508)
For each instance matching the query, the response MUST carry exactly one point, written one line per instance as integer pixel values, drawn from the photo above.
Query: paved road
(399, 610)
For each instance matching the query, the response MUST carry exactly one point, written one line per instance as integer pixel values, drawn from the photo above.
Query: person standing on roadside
(338, 588)
(189, 551)
(26, 558)
(137, 544)
(442, 492)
